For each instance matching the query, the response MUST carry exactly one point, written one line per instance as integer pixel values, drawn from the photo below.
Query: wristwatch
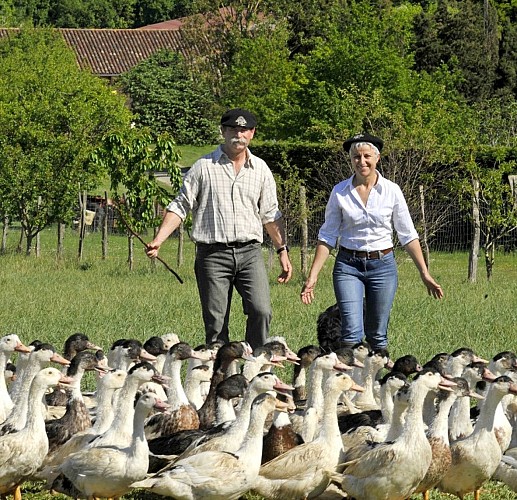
(281, 249)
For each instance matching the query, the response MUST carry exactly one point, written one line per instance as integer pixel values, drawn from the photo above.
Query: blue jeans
(375, 281)
(218, 271)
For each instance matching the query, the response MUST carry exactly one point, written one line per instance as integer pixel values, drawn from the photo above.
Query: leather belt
(223, 246)
(374, 254)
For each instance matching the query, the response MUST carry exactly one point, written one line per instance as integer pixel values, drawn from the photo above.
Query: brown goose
(224, 358)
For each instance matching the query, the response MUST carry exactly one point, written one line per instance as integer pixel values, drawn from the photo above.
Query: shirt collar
(378, 185)
(220, 153)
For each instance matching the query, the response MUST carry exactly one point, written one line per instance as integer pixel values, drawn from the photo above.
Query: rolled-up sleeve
(402, 221)
(330, 230)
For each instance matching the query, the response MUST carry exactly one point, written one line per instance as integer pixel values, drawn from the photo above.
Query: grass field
(43, 298)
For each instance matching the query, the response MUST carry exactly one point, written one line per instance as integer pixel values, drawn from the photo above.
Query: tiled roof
(111, 52)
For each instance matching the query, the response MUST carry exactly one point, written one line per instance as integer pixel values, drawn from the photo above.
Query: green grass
(43, 298)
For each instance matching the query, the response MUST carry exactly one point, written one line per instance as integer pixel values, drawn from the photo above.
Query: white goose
(108, 471)
(8, 345)
(305, 470)
(476, 457)
(217, 475)
(40, 356)
(22, 452)
(231, 439)
(108, 384)
(392, 470)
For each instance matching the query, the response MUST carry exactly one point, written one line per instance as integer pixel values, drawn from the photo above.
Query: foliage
(261, 77)
(52, 115)
(167, 97)
(498, 206)
(91, 14)
(131, 157)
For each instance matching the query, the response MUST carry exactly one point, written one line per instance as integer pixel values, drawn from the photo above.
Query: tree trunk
(130, 252)
(304, 244)
(60, 240)
(28, 244)
(476, 224)
(104, 225)
(424, 241)
(38, 237)
(82, 224)
(489, 259)
(4, 234)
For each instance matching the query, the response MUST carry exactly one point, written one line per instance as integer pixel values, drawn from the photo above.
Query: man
(232, 196)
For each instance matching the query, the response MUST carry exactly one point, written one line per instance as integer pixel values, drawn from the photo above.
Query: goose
(307, 355)
(77, 416)
(278, 345)
(217, 475)
(9, 373)
(41, 355)
(392, 470)
(476, 457)
(22, 452)
(224, 358)
(263, 360)
(167, 448)
(389, 385)
(280, 436)
(373, 363)
(506, 471)
(126, 352)
(438, 435)
(76, 343)
(111, 382)
(460, 423)
(21, 364)
(120, 432)
(306, 422)
(206, 356)
(8, 345)
(231, 438)
(193, 385)
(159, 347)
(460, 358)
(305, 470)
(182, 414)
(108, 471)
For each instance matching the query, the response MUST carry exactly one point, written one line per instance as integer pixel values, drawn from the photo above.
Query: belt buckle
(367, 252)
(232, 244)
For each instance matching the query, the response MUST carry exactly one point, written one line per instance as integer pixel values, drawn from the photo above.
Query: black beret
(376, 141)
(238, 118)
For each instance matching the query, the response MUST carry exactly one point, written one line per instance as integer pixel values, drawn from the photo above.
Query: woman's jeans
(218, 270)
(372, 280)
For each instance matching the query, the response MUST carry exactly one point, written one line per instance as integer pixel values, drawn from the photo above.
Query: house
(109, 53)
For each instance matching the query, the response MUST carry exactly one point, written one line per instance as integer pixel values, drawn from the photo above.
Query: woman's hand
(307, 294)
(433, 288)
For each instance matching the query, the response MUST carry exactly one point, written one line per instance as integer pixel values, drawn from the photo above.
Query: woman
(361, 213)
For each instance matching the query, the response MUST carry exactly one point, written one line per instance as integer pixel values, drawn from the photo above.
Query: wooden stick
(139, 238)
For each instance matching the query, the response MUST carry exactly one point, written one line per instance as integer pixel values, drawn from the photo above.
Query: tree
(167, 97)
(131, 158)
(52, 116)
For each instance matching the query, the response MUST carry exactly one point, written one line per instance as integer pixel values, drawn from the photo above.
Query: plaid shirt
(226, 207)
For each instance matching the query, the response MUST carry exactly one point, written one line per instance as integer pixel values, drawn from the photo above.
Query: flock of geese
(217, 422)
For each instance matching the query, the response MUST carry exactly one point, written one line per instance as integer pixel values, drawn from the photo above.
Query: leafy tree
(167, 97)
(462, 35)
(6, 13)
(52, 115)
(131, 158)
(155, 11)
(262, 78)
(91, 13)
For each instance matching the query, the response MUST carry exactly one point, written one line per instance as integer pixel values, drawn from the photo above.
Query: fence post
(4, 233)
(476, 237)
(82, 223)
(60, 240)
(304, 244)
(424, 240)
(104, 225)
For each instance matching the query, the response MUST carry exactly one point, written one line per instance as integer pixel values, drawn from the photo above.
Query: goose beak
(282, 386)
(91, 345)
(488, 375)
(57, 358)
(145, 356)
(160, 379)
(446, 384)
(161, 406)
(357, 388)
(342, 367)
(22, 348)
(476, 395)
(65, 380)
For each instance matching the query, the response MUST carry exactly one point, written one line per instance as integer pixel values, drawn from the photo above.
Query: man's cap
(238, 118)
(376, 141)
